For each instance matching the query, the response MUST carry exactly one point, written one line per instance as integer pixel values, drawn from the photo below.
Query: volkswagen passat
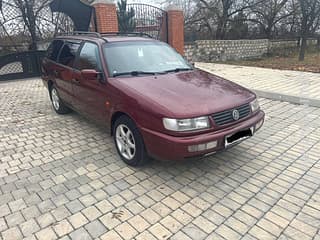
(153, 102)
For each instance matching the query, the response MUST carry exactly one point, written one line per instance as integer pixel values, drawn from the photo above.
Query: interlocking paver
(29, 227)
(160, 231)
(14, 219)
(62, 228)
(46, 234)
(12, 234)
(95, 229)
(91, 213)
(139, 223)
(126, 231)
(194, 232)
(45, 220)
(77, 220)
(145, 235)
(104, 206)
(111, 235)
(60, 177)
(80, 233)
(60, 213)
(271, 80)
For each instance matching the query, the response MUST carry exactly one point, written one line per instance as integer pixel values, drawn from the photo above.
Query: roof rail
(140, 34)
(93, 34)
(96, 34)
(102, 35)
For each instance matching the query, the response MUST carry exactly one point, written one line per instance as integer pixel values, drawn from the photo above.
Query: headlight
(254, 105)
(186, 124)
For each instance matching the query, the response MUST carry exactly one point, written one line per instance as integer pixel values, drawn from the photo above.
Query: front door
(90, 95)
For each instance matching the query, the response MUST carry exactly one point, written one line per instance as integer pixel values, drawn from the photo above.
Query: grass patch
(286, 59)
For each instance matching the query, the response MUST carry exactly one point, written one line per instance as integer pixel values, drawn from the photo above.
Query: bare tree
(267, 14)
(30, 11)
(216, 14)
(310, 22)
(30, 21)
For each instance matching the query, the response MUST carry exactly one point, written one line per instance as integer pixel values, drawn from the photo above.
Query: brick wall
(223, 50)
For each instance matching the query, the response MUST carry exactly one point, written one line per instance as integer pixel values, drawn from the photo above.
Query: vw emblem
(235, 114)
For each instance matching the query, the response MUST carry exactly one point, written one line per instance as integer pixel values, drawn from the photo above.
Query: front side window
(89, 57)
(54, 49)
(68, 54)
(148, 57)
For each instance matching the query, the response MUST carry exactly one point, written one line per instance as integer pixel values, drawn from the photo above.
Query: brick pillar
(106, 16)
(164, 30)
(176, 28)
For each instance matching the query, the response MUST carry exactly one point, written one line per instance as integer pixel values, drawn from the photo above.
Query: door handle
(76, 81)
(55, 72)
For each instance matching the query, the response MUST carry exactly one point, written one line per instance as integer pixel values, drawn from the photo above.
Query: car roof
(103, 39)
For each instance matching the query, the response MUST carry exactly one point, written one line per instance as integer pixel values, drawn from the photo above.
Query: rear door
(90, 95)
(65, 70)
(50, 61)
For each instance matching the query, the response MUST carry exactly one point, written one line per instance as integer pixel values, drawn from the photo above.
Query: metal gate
(18, 57)
(150, 20)
(21, 65)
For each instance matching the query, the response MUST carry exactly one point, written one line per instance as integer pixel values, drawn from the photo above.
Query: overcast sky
(151, 2)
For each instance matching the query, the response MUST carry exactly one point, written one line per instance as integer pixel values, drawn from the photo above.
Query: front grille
(225, 117)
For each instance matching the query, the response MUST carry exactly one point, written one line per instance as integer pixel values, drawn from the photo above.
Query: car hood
(186, 94)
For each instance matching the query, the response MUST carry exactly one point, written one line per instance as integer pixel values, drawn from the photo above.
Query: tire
(57, 104)
(129, 142)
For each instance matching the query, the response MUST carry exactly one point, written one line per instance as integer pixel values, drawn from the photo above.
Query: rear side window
(68, 53)
(53, 50)
(89, 57)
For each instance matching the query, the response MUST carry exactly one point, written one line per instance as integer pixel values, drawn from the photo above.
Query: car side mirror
(90, 74)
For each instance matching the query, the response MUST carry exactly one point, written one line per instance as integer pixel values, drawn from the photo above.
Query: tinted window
(68, 53)
(89, 57)
(53, 50)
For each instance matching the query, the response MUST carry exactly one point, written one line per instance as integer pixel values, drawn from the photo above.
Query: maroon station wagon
(153, 102)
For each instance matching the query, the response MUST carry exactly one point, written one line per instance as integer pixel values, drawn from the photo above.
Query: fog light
(211, 145)
(259, 125)
(203, 147)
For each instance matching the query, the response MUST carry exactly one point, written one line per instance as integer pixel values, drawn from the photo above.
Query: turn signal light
(203, 147)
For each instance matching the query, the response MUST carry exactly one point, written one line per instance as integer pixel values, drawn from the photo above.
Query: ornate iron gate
(150, 20)
(18, 57)
(21, 65)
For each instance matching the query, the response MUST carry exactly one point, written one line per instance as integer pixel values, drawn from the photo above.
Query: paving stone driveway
(61, 178)
(272, 83)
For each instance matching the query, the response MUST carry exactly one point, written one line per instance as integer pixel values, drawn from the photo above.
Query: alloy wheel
(125, 142)
(55, 99)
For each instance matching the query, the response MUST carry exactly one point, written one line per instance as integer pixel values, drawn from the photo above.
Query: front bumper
(166, 147)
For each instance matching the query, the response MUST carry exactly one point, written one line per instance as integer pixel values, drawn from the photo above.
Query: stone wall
(223, 50)
(281, 44)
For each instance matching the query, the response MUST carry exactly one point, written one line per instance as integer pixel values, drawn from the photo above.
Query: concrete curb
(288, 98)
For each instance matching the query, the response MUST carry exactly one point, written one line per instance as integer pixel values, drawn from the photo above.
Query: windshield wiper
(178, 70)
(134, 73)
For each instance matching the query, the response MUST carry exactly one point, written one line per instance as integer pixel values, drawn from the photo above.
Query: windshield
(142, 58)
